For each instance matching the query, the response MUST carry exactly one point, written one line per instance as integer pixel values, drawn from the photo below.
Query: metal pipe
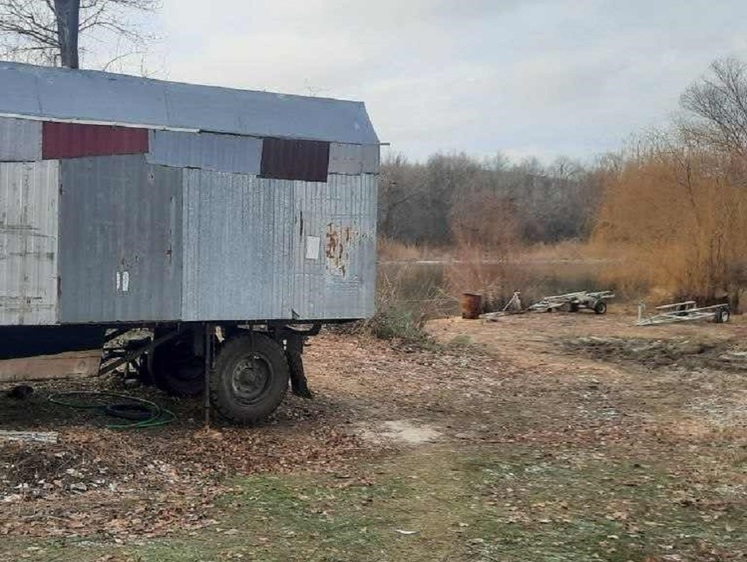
(208, 368)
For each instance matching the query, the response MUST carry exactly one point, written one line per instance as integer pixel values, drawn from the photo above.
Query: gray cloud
(522, 77)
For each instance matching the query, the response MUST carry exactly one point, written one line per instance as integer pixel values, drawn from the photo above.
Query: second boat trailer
(685, 311)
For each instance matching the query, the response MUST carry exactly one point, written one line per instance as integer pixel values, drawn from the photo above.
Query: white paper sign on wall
(312, 247)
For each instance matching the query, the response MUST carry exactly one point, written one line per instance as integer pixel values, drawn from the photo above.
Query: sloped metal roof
(100, 97)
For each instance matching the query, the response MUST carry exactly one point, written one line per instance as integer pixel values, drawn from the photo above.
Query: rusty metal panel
(285, 159)
(100, 97)
(237, 247)
(74, 140)
(120, 240)
(208, 151)
(20, 140)
(339, 282)
(28, 242)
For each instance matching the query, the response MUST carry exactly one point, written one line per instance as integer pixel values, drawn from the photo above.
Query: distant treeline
(435, 202)
(674, 199)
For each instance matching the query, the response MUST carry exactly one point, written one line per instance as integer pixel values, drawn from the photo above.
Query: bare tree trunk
(68, 20)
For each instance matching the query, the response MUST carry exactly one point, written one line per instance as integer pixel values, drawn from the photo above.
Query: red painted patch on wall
(73, 140)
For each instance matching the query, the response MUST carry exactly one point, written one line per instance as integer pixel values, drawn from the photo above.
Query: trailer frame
(573, 302)
(684, 311)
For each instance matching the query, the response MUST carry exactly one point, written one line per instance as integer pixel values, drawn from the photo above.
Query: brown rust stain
(337, 248)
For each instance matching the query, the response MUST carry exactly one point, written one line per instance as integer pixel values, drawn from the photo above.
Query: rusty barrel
(471, 305)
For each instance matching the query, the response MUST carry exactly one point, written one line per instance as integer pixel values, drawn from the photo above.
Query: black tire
(573, 307)
(600, 308)
(249, 379)
(176, 369)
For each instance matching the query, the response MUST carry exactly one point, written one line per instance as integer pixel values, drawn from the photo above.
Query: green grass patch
(588, 507)
(499, 503)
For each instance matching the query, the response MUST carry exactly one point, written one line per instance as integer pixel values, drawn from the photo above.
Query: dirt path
(572, 392)
(669, 375)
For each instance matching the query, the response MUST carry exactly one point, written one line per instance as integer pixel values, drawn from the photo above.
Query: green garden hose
(145, 412)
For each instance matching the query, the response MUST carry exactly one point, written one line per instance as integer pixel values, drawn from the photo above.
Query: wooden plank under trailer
(685, 311)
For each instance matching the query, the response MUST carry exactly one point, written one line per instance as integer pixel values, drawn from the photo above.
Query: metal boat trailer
(573, 302)
(685, 311)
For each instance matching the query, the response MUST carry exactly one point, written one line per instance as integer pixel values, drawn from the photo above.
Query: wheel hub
(250, 378)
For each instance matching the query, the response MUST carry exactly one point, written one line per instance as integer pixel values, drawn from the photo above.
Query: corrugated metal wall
(20, 140)
(28, 242)
(138, 241)
(222, 153)
(341, 282)
(277, 249)
(120, 240)
(237, 244)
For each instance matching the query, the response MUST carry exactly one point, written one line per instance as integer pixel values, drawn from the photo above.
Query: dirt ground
(640, 433)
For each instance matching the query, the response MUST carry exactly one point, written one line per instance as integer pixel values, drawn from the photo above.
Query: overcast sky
(531, 77)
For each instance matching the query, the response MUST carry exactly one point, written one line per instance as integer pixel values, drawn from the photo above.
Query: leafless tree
(719, 102)
(39, 30)
(420, 203)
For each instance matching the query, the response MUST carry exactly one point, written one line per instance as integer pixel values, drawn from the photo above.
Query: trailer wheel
(600, 308)
(722, 316)
(249, 379)
(573, 307)
(177, 370)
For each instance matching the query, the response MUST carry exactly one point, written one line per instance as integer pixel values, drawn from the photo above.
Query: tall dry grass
(395, 251)
(485, 227)
(681, 221)
(475, 270)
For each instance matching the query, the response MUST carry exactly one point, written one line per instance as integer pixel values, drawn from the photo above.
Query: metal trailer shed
(220, 219)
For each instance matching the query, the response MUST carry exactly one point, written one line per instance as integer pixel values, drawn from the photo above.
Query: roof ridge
(96, 96)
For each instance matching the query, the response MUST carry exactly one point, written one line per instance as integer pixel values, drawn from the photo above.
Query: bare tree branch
(720, 106)
(29, 30)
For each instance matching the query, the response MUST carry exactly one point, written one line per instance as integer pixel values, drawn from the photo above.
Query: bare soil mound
(681, 353)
